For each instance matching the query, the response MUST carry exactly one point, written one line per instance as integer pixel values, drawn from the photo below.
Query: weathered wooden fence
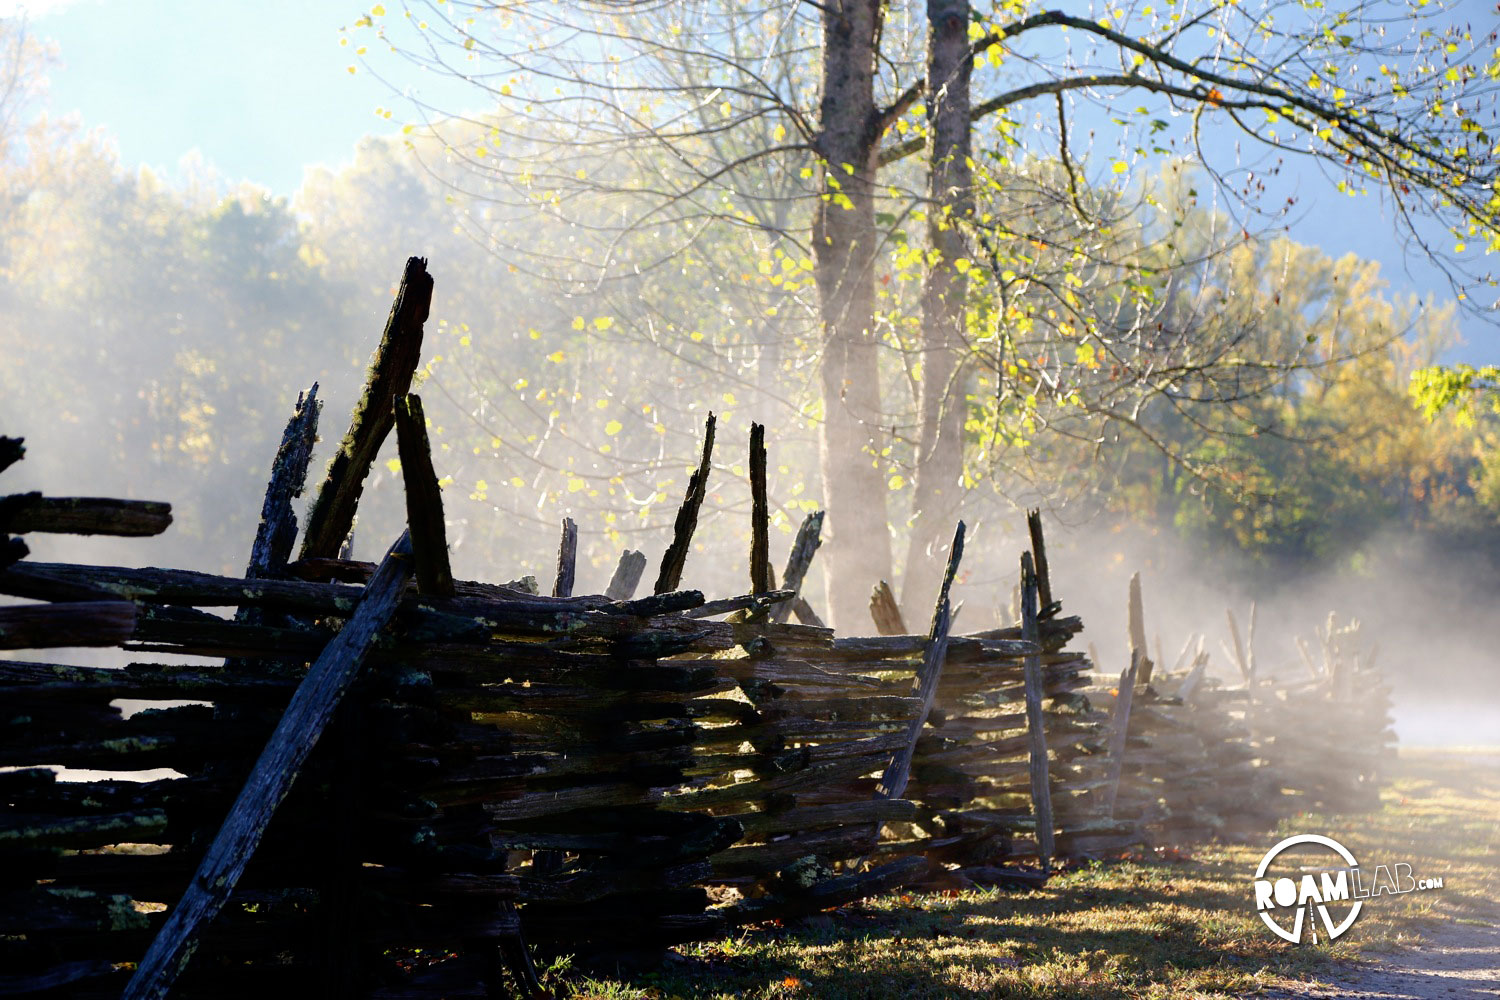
(1196, 758)
(393, 783)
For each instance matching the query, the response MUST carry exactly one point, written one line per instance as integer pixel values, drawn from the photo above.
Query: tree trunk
(937, 489)
(858, 550)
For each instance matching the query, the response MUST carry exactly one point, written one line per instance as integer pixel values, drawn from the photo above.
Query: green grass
(1143, 928)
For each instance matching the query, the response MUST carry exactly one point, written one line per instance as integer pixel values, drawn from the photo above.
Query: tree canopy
(696, 138)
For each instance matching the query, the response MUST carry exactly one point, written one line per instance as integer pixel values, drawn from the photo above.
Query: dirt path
(1459, 962)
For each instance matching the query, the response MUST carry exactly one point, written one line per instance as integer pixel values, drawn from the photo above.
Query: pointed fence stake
(675, 558)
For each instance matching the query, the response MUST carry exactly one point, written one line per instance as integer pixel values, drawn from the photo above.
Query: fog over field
(158, 329)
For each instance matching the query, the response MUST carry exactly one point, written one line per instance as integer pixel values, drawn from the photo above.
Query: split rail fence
(393, 783)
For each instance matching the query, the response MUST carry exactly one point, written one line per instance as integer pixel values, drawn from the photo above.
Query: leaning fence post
(1193, 678)
(331, 515)
(924, 686)
(1041, 788)
(1239, 647)
(809, 537)
(306, 716)
(1043, 576)
(1137, 616)
(675, 558)
(1184, 656)
(1119, 731)
(885, 611)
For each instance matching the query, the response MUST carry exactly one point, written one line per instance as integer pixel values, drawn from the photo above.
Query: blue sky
(261, 90)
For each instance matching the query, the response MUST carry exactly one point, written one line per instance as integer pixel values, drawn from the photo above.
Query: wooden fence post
(567, 559)
(1194, 677)
(1137, 616)
(675, 558)
(924, 685)
(1119, 732)
(331, 515)
(885, 611)
(809, 537)
(760, 515)
(1239, 647)
(424, 500)
(627, 576)
(1043, 576)
(548, 862)
(1041, 788)
(312, 706)
(277, 534)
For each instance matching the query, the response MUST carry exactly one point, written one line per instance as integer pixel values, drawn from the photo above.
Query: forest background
(158, 328)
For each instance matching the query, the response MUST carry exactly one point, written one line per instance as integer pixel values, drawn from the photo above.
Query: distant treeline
(157, 335)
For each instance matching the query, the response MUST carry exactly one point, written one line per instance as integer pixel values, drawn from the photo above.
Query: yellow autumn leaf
(613, 427)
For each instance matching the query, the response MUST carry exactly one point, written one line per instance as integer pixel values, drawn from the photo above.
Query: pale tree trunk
(937, 489)
(857, 552)
(768, 354)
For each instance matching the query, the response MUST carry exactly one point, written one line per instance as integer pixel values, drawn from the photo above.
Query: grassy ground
(1153, 927)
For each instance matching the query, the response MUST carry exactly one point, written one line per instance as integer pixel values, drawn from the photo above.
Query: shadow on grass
(1102, 932)
(1142, 931)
